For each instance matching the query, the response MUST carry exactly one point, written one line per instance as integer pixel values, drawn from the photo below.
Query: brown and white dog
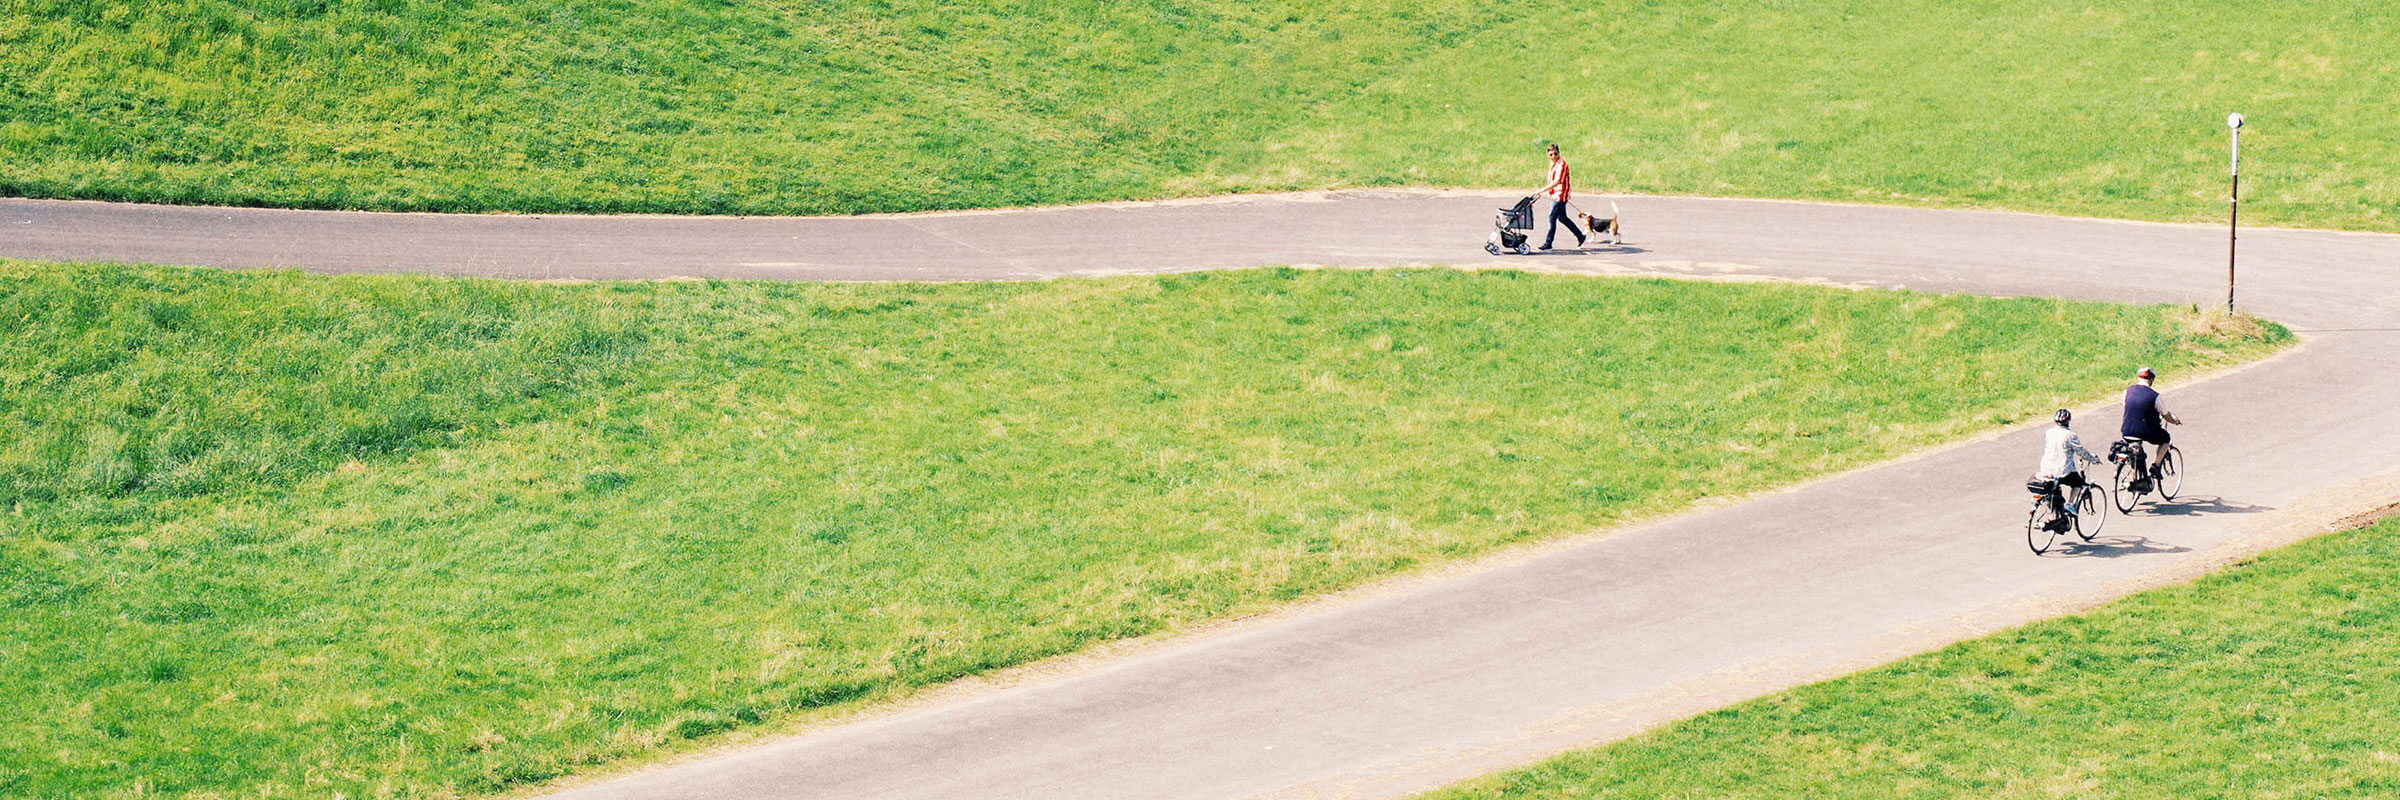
(1613, 224)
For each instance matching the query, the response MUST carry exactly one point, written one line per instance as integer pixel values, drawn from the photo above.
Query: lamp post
(2233, 214)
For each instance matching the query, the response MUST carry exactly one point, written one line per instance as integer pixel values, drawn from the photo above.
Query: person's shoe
(1544, 248)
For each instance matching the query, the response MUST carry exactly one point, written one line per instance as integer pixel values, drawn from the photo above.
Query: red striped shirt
(1558, 175)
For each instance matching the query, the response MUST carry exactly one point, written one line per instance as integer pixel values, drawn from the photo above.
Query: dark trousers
(1558, 216)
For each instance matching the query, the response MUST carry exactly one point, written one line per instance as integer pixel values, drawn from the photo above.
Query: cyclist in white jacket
(2063, 456)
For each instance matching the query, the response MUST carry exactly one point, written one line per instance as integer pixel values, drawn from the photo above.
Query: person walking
(1558, 192)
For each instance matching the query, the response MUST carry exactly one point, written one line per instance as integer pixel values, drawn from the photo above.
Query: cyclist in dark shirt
(2144, 410)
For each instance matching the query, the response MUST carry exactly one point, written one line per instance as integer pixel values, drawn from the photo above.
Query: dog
(1611, 224)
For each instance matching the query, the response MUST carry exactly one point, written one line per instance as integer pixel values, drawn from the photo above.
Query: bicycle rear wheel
(2170, 473)
(2123, 494)
(2092, 511)
(2038, 532)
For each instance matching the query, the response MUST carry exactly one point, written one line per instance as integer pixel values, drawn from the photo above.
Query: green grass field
(277, 535)
(2278, 678)
(2111, 109)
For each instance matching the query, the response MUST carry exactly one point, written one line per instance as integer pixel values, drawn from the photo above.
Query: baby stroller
(1515, 225)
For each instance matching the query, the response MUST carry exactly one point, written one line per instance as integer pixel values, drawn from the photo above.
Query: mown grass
(2112, 109)
(270, 534)
(176, 383)
(2277, 678)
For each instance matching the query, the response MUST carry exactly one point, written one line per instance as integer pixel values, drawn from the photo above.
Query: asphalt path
(1421, 683)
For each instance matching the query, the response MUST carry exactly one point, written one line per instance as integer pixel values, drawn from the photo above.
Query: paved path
(1449, 678)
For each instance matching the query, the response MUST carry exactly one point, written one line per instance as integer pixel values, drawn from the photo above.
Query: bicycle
(2048, 519)
(2132, 481)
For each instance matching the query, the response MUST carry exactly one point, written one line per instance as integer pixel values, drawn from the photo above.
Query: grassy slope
(669, 105)
(2278, 678)
(2112, 109)
(514, 529)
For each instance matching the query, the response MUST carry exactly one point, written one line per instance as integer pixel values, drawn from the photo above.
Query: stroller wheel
(1492, 249)
(1524, 251)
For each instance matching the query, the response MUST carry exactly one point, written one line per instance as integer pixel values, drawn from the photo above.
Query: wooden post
(2233, 208)
(2233, 222)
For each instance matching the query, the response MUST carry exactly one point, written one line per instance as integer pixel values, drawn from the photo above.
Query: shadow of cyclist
(2199, 506)
(2115, 547)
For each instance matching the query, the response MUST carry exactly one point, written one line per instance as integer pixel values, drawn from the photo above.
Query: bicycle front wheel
(2093, 508)
(2124, 495)
(2170, 473)
(2038, 533)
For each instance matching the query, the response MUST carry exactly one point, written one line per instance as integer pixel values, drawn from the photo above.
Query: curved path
(1432, 681)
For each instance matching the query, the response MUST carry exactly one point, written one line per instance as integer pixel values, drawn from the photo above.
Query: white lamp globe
(2233, 120)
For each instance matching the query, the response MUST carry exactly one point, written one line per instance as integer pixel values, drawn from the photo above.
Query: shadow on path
(2115, 547)
(2199, 506)
(1592, 250)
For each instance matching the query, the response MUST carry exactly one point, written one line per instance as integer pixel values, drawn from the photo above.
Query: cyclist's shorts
(2157, 436)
